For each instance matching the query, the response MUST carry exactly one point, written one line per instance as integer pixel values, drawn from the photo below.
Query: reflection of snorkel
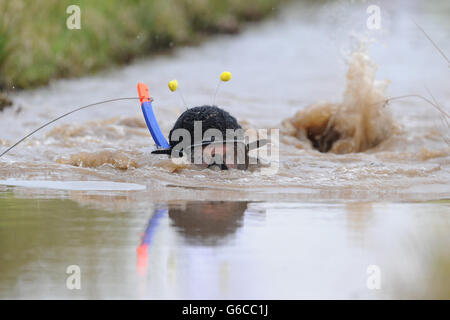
(144, 246)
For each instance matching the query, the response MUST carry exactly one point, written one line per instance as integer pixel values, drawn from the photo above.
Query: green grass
(36, 46)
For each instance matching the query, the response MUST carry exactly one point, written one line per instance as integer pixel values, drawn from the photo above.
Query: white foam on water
(74, 185)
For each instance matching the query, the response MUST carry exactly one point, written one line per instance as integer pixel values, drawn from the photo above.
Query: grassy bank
(36, 45)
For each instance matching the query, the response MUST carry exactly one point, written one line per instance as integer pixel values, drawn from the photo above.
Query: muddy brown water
(87, 191)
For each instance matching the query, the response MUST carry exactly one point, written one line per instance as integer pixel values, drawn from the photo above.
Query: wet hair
(212, 117)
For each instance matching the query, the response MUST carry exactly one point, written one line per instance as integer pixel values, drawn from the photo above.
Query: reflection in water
(40, 238)
(207, 223)
(206, 229)
(144, 247)
(359, 217)
(220, 250)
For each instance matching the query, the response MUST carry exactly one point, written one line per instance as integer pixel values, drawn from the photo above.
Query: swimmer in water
(215, 133)
(214, 150)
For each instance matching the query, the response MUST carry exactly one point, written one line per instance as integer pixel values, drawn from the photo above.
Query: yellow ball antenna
(173, 86)
(224, 77)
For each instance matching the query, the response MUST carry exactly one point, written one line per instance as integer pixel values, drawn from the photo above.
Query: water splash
(358, 123)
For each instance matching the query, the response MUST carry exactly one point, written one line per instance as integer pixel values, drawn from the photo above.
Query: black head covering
(211, 117)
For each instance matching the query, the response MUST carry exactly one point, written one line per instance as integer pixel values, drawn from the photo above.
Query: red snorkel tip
(144, 94)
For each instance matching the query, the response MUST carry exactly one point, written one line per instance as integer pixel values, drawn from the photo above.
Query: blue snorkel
(149, 115)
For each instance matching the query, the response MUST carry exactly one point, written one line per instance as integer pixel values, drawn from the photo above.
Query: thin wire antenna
(443, 118)
(180, 93)
(224, 77)
(432, 42)
(444, 115)
(215, 93)
(386, 101)
(437, 105)
(62, 116)
(173, 86)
